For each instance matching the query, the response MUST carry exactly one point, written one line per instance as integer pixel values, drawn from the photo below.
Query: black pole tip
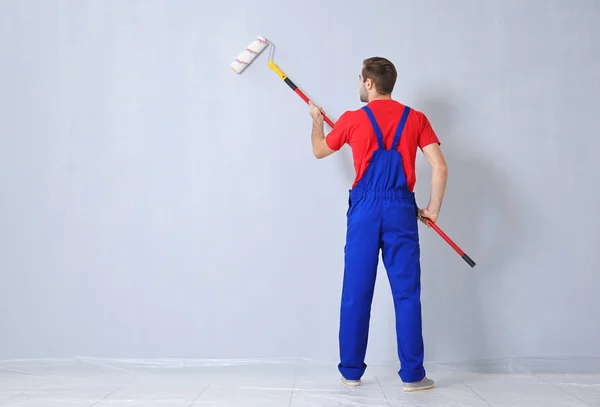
(469, 261)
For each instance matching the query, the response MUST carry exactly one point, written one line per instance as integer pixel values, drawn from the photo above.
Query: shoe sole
(350, 384)
(413, 389)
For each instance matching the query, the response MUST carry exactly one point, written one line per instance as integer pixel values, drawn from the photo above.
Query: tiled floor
(278, 383)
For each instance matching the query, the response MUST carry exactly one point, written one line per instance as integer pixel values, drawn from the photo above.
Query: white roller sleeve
(251, 52)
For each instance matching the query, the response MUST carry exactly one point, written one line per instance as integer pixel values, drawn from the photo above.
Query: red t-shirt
(354, 128)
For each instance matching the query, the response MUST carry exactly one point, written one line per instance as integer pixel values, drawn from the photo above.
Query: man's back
(354, 128)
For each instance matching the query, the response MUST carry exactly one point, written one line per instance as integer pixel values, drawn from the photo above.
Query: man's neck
(380, 97)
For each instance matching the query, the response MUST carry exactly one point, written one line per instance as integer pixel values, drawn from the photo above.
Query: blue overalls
(382, 214)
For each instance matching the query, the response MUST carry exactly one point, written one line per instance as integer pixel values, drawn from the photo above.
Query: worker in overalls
(382, 215)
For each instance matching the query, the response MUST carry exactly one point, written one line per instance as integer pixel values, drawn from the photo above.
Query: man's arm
(319, 145)
(439, 176)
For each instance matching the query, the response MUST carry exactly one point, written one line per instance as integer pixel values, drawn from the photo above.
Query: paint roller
(256, 47)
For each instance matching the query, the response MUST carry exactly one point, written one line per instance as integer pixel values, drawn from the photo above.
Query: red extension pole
(462, 254)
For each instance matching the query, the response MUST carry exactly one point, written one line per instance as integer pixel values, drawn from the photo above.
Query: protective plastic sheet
(287, 382)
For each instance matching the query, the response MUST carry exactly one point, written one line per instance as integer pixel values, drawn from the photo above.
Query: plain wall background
(156, 204)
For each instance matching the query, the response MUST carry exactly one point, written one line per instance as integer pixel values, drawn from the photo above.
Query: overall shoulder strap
(400, 127)
(376, 128)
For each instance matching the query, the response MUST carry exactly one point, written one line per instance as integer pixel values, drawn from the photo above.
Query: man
(382, 215)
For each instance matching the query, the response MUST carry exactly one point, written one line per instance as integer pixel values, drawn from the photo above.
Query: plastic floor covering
(88, 382)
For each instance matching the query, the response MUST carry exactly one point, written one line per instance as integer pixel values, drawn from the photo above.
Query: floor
(89, 382)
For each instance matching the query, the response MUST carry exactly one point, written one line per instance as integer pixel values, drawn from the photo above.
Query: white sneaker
(350, 383)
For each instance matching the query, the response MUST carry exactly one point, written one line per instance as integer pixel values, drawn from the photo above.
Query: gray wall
(156, 204)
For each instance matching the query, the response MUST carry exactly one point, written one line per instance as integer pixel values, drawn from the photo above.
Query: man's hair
(382, 72)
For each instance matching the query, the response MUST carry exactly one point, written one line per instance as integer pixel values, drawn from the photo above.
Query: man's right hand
(426, 215)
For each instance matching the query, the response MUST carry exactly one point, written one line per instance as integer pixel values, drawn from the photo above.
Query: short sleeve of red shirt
(338, 136)
(426, 136)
